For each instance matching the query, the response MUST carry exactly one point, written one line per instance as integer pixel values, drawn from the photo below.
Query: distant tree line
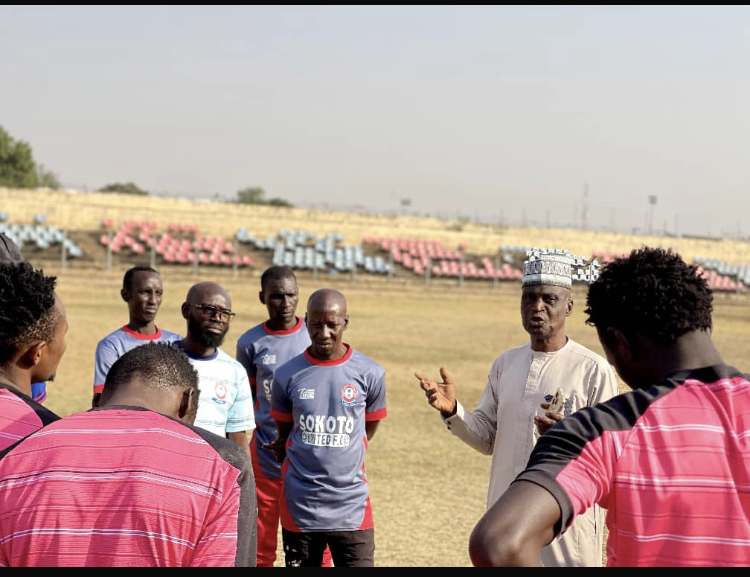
(19, 170)
(256, 195)
(17, 166)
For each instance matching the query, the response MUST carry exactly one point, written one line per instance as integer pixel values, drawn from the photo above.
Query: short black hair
(127, 280)
(159, 365)
(28, 309)
(652, 292)
(276, 273)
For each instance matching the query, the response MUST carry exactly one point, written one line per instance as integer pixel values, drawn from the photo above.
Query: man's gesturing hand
(442, 396)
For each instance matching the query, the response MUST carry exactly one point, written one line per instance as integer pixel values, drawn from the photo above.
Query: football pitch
(427, 488)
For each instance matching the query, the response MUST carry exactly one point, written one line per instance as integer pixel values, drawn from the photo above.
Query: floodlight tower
(652, 203)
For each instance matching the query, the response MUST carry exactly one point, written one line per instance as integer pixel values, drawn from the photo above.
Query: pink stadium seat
(248, 260)
(104, 239)
(204, 257)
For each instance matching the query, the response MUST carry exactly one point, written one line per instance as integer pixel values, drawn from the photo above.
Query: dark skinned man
(327, 403)
(505, 423)
(142, 290)
(261, 350)
(11, 254)
(130, 483)
(670, 461)
(226, 401)
(32, 342)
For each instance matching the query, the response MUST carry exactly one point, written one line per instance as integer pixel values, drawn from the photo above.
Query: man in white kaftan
(508, 420)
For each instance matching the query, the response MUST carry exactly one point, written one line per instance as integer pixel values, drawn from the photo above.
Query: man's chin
(212, 340)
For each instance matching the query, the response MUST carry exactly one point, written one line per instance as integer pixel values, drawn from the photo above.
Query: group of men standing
(183, 399)
(669, 461)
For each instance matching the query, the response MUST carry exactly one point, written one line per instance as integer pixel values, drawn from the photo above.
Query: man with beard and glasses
(130, 483)
(225, 406)
(142, 290)
(32, 342)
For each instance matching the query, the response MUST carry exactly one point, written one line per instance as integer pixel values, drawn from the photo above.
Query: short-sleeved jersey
(20, 416)
(671, 464)
(39, 391)
(226, 403)
(261, 351)
(324, 480)
(116, 344)
(123, 486)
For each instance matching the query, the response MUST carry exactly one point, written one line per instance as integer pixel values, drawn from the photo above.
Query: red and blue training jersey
(324, 480)
(123, 486)
(671, 464)
(261, 350)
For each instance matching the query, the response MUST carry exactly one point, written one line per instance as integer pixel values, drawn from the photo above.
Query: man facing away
(261, 350)
(226, 402)
(32, 342)
(505, 424)
(327, 403)
(670, 461)
(142, 290)
(11, 254)
(130, 483)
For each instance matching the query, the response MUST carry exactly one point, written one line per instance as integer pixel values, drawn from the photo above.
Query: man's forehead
(143, 277)
(331, 308)
(281, 285)
(543, 289)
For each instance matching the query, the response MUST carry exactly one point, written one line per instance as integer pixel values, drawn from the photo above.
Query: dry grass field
(428, 489)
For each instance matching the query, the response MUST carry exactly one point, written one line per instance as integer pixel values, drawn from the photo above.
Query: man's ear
(125, 294)
(569, 307)
(185, 403)
(185, 310)
(262, 297)
(32, 356)
(346, 322)
(621, 345)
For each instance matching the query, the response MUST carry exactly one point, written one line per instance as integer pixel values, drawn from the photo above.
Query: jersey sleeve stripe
(376, 415)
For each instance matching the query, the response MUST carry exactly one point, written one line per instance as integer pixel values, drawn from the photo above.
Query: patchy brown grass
(428, 489)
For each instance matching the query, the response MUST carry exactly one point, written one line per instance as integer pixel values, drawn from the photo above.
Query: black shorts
(348, 548)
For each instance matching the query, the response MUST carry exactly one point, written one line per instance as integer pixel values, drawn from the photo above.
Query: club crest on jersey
(220, 392)
(349, 395)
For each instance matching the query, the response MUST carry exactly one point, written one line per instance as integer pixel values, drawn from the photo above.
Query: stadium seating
(181, 245)
(722, 276)
(306, 251)
(417, 255)
(42, 237)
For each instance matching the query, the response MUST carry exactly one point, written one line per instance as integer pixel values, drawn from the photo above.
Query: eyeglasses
(210, 311)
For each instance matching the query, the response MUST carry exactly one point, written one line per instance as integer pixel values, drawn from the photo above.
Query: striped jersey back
(671, 464)
(123, 486)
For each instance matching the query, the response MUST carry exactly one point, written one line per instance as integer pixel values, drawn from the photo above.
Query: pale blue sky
(489, 111)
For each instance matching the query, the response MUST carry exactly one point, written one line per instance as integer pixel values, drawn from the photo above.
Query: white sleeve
(478, 428)
(603, 385)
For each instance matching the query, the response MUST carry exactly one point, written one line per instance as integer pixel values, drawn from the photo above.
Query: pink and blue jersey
(20, 416)
(116, 344)
(324, 480)
(261, 351)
